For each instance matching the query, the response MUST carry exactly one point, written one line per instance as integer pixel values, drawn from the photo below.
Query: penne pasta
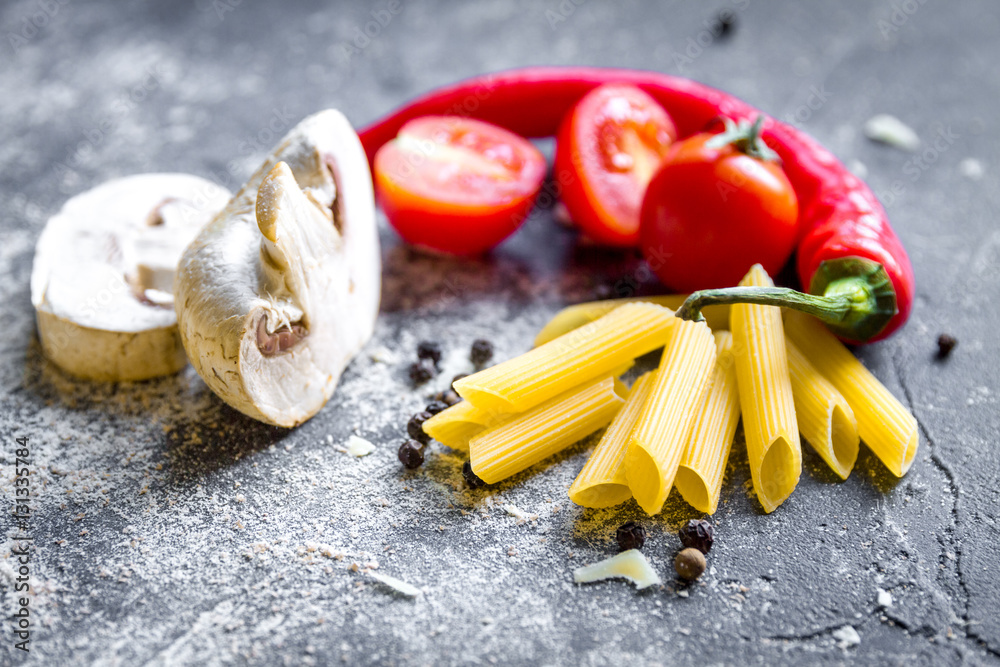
(456, 425)
(765, 387)
(825, 419)
(590, 352)
(884, 424)
(602, 481)
(699, 476)
(661, 433)
(506, 449)
(574, 317)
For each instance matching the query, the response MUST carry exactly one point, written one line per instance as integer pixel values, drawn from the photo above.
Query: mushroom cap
(102, 278)
(280, 291)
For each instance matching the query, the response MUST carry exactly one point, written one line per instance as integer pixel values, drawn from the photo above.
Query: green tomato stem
(744, 137)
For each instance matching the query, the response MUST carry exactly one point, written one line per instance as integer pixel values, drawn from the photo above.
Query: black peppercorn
(415, 427)
(689, 564)
(946, 343)
(698, 534)
(724, 24)
(422, 371)
(471, 478)
(481, 352)
(436, 406)
(411, 454)
(429, 350)
(448, 397)
(630, 535)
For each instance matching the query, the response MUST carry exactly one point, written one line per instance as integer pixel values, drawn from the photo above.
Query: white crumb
(846, 637)
(630, 565)
(971, 168)
(520, 514)
(382, 355)
(890, 130)
(884, 598)
(358, 447)
(398, 585)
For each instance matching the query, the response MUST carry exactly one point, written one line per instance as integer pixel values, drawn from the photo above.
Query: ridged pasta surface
(765, 387)
(602, 481)
(825, 419)
(699, 476)
(661, 433)
(884, 424)
(589, 352)
(509, 448)
(575, 316)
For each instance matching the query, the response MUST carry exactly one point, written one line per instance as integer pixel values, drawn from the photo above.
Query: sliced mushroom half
(278, 293)
(102, 278)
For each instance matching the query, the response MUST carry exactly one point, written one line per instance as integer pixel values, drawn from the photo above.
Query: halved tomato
(457, 185)
(608, 148)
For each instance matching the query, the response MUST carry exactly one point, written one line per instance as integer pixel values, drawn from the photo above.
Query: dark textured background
(171, 530)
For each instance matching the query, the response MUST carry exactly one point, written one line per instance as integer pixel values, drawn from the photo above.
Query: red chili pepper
(845, 233)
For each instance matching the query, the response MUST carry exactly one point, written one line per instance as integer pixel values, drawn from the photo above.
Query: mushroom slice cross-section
(102, 278)
(279, 292)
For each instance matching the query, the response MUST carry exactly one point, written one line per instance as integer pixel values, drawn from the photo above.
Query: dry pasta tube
(602, 481)
(658, 442)
(699, 476)
(507, 449)
(825, 419)
(884, 424)
(590, 352)
(765, 387)
(456, 425)
(574, 317)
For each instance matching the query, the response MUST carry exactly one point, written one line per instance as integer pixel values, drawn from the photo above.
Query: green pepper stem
(826, 308)
(856, 307)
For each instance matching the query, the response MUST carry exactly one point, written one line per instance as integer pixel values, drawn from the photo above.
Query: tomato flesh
(709, 214)
(457, 185)
(607, 150)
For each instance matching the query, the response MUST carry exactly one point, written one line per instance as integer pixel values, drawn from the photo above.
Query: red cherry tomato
(608, 148)
(457, 185)
(710, 213)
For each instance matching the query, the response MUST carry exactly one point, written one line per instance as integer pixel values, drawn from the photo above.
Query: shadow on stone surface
(198, 433)
(414, 279)
(197, 449)
(873, 470)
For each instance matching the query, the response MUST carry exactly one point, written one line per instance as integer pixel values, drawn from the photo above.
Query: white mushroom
(279, 292)
(102, 279)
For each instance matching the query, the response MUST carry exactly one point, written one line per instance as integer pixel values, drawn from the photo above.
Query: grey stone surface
(170, 530)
